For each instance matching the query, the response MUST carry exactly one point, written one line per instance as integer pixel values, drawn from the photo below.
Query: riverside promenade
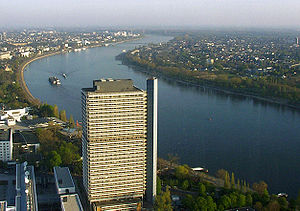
(20, 77)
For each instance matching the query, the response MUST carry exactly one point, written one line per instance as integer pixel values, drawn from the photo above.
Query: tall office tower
(297, 41)
(119, 143)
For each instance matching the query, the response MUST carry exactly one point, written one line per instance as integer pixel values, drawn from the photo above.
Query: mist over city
(149, 105)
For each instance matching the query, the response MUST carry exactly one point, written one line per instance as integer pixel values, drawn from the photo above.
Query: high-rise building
(297, 41)
(119, 143)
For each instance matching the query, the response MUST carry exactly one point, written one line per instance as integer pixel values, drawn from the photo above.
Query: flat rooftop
(112, 85)
(71, 202)
(25, 137)
(63, 177)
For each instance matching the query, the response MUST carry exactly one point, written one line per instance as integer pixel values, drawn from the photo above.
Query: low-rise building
(5, 55)
(70, 202)
(63, 180)
(13, 116)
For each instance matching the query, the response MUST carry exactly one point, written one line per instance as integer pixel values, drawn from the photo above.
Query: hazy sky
(228, 13)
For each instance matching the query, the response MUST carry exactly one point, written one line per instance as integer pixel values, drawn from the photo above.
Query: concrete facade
(114, 143)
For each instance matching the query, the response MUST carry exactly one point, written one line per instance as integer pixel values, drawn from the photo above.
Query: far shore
(220, 89)
(20, 71)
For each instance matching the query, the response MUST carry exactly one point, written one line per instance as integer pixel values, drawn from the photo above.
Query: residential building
(6, 145)
(119, 143)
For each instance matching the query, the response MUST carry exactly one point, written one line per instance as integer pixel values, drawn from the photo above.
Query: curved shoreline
(20, 72)
(31, 99)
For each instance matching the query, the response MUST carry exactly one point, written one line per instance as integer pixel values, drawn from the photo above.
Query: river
(254, 139)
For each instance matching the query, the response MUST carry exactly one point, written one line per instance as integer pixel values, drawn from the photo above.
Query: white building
(5, 55)
(13, 116)
(6, 145)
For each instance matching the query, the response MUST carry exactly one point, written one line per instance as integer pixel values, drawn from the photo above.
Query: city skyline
(134, 13)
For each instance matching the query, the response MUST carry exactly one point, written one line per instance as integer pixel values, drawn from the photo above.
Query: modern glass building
(119, 143)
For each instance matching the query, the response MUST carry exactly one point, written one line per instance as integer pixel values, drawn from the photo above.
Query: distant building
(119, 143)
(210, 61)
(5, 55)
(63, 180)
(297, 41)
(6, 145)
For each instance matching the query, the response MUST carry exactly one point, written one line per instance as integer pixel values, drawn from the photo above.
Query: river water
(254, 139)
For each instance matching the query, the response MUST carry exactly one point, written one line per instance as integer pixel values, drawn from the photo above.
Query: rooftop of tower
(112, 85)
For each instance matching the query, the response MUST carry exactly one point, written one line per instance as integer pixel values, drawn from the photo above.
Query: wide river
(254, 139)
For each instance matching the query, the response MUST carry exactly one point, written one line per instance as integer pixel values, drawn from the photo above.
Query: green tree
(241, 201)
(181, 172)
(63, 116)
(71, 121)
(232, 182)
(260, 187)
(283, 203)
(69, 153)
(163, 202)
(185, 185)
(273, 206)
(202, 189)
(55, 111)
(46, 110)
(249, 199)
(53, 159)
(227, 182)
(188, 202)
(238, 185)
(158, 186)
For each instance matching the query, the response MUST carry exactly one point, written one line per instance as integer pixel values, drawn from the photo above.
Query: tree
(241, 200)
(227, 181)
(53, 159)
(188, 202)
(158, 186)
(55, 111)
(273, 206)
(46, 110)
(260, 187)
(163, 202)
(221, 173)
(71, 121)
(258, 206)
(283, 203)
(68, 153)
(185, 185)
(232, 180)
(181, 172)
(202, 189)
(249, 199)
(63, 116)
(238, 186)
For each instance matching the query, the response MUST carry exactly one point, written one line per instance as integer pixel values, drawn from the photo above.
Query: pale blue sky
(228, 13)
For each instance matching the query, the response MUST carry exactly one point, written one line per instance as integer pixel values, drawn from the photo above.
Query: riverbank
(159, 73)
(31, 99)
(20, 72)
